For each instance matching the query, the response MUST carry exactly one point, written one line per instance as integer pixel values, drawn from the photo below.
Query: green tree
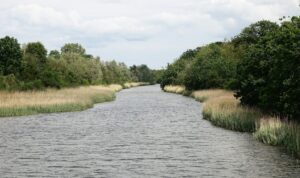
(10, 56)
(54, 54)
(143, 73)
(253, 33)
(74, 48)
(268, 76)
(37, 50)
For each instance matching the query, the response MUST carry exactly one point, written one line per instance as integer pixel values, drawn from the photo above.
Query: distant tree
(54, 54)
(210, 69)
(143, 73)
(10, 56)
(37, 50)
(158, 75)
(168, 76)
(34, 61)
(73, 48)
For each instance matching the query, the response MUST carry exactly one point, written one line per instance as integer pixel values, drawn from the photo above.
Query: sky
(152, 32)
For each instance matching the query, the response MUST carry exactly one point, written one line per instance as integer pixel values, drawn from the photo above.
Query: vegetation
(261, 65)
(18, 103)
(30, 78)
(222, 109)
(53, 100)
(268, 75)
(31, 68)
(143, 73)
(256, 74)
(275, 132)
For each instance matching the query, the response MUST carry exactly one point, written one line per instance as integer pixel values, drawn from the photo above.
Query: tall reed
(222, 109)
(273, 131)
(53, 100)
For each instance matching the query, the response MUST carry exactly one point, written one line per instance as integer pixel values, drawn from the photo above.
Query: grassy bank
(53, 100)
(224, 110)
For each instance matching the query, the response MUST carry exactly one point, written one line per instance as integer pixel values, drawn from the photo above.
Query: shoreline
(222, 109)
(22, 103)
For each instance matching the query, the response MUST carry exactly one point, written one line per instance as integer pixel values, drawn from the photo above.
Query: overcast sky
(152, 32)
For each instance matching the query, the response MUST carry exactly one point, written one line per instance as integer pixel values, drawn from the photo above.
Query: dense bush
(269, 75)
(174, 74)
(210, 69)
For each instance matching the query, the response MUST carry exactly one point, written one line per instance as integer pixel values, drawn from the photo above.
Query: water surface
(144, 133)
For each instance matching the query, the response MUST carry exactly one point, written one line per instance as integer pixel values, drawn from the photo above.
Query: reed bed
(134, 84)
(274, 131)
(174, 89)
(53, 100)
(225, 111)
(222, 109)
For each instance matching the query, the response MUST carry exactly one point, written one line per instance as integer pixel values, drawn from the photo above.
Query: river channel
(143, 133)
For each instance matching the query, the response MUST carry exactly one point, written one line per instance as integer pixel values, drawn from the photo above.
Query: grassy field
(53, 100)
(224, 110)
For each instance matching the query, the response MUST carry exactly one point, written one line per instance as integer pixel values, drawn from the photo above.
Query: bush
(268, 76)
(210, 69)
(32, 85)
(9, 82)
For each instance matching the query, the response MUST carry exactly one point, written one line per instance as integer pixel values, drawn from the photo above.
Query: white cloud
(135, 31)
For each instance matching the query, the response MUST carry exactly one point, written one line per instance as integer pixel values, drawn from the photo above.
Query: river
(144, 133)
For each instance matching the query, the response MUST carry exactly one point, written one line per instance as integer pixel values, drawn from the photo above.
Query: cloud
(136, 31)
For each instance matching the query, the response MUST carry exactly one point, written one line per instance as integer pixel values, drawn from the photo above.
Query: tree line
(261, 64)
(30, 66)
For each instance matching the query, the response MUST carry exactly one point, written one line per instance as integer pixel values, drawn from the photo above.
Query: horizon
(136, 32)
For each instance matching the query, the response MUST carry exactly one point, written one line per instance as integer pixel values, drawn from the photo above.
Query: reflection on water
(144, 133)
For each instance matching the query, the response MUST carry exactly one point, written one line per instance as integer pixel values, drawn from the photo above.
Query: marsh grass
(174, 89)
(134, 84)
(222, 109)
(52, 100)
(275, 132)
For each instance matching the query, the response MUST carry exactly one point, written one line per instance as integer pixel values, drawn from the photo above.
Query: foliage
(71, 67)
(10, 56)
(253, 33)
(143, 73)
(37, 50)
(175, 72)
(268, 75)
(73, 48)
(158, 75)
(210, 69)
(262, 64)
(54, 54)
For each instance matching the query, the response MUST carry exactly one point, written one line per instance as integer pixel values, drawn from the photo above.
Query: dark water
(144, 133)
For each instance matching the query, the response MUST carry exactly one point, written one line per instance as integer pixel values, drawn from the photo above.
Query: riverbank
(57, 100)
(222, 109)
